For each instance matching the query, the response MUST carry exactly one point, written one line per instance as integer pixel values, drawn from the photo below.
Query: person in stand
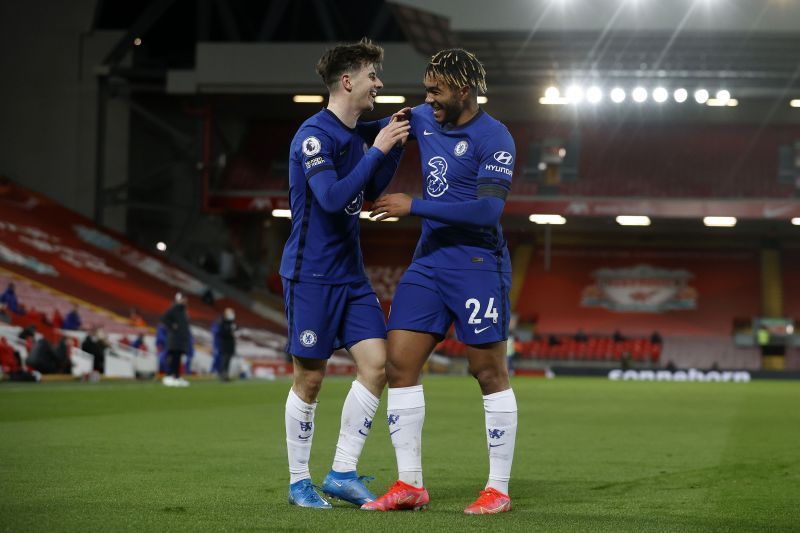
(225, 342)
(176, 323)
(72, 321)
(9, 298)
(94, 344)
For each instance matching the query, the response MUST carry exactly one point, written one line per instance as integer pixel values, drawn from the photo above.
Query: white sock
(357, 414)
(406, 414)
(299, 434)
(501, 433)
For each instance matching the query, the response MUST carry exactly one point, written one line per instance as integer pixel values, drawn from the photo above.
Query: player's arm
(483, 212)
(383, 176)
(332, 193)
(493, 183)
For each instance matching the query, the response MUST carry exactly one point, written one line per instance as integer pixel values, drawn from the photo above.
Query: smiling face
(364, 85)
(447, 102)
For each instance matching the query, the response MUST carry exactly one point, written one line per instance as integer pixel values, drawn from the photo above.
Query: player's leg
(418, 321)
(407, 353)
(310, 341)
(363, 333)
(483, 325)
(301, 405)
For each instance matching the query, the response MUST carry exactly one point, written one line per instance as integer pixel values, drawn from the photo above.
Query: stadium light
(660, 94)
(639, 94)
(730, 102)
(390, 99)
(547, 219)
(552, 96)
(680, 95)
(633, 220)
(307, 99)
(282, 213)
(617, 95)
(701, 96)
(594, 94)
(795, 102)
(719, 222)
(161, 246)
(796, 221)
(482, 100)
(574, 94)
(723, 95)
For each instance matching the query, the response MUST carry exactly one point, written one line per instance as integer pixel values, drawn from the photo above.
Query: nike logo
(426, 132)
(303, 438)
(393, 432)
(336, 483)
(362, 432)
(496, 445)
(481, 330)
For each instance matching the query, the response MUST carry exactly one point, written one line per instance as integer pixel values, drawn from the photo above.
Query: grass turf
(591, 455)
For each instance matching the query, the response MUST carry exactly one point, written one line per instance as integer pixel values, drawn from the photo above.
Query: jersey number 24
(491, 310)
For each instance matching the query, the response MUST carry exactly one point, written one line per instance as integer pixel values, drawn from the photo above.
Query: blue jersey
(456, 161)
(331, 169)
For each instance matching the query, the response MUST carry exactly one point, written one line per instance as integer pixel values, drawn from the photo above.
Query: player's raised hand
(403, 114)
(391, 205)
(394, 132)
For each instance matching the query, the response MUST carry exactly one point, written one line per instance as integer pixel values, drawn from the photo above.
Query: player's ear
(465, 93)
(346, 83)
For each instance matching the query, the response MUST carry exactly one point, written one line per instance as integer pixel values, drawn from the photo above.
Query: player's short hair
(347, 58)
(457, 68)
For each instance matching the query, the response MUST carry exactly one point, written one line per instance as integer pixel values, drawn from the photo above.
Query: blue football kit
(329, 302)
(461, 270)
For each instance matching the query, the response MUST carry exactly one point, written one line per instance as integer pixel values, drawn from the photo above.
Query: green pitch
(591, 455)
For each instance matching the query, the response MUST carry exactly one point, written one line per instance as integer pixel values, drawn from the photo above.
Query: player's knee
(487, 376)
(309, 384)
(374, 378)
(397, 377)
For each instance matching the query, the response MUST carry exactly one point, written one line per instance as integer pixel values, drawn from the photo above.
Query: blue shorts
(323, 318)
(430, 300)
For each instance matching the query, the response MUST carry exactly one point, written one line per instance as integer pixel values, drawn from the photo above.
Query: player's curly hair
(457, 68)
(347, 58)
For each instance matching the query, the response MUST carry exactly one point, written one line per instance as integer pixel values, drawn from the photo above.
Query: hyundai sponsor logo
(504, 158)
(497, 168)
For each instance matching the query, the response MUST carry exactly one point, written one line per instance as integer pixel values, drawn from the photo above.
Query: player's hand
(391, 205)
(403, 114)
(394, 132)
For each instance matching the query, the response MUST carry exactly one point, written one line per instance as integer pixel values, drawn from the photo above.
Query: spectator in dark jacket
(9, 297)
(72, 321)
(176, 322)
(225, 342)
(47, 360)
(95, 345)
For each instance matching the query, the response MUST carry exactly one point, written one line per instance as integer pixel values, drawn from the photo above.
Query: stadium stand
(671, 161)
(58, 259)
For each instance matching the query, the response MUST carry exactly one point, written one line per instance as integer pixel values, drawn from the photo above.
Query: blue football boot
(347, 486)
(303, 494)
